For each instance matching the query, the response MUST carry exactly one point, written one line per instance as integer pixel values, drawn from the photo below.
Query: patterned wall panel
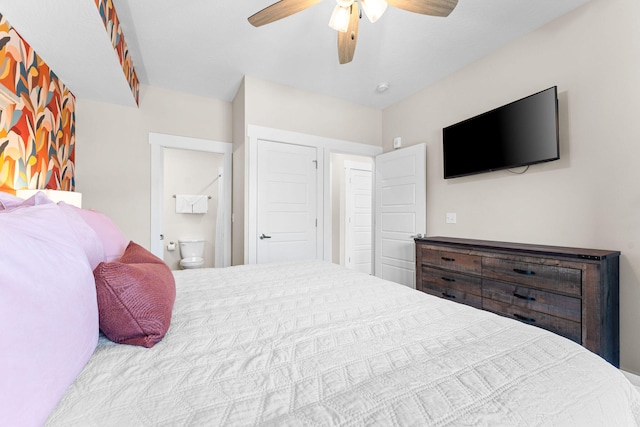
(112, 24)
(37, 135)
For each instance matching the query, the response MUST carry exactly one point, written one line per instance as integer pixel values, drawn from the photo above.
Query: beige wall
(589, 198)
(113, 154)
(283, 107)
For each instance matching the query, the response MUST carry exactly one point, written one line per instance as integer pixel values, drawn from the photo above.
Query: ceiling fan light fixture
(340, 18)
(373, 8)
(346, 16)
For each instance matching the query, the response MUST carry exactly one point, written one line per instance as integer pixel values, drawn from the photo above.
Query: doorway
(351, 211)
(194, 174)
(159, 144)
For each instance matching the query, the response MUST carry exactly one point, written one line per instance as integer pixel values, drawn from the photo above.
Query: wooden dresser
(570, 291)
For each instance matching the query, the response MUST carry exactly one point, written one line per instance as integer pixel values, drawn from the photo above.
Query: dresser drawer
(453, 261)
(450, 285)
(563, 306)
(564, 327)
(555, 278)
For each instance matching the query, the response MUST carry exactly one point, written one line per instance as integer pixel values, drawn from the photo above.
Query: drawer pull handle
(448, 295)
(525, 272)
(444, 258)
(524, 318)
(448, 279)
(524, 297)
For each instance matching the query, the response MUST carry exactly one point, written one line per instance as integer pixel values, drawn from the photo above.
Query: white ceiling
(205, 47)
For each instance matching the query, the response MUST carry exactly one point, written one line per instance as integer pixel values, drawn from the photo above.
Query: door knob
(264, 236)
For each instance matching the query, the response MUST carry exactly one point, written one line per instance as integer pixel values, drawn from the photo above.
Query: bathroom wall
(190, 172)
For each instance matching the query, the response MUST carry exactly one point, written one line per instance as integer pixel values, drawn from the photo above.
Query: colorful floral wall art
(37, 135)
(112, 24)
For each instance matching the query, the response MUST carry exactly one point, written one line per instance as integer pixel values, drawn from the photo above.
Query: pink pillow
(135, 297)
(48, 312)
(110, 235)
(86, 236)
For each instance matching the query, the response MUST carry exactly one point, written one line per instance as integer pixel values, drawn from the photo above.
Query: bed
(314, 344)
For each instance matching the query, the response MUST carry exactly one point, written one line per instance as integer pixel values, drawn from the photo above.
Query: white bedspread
(315, 344)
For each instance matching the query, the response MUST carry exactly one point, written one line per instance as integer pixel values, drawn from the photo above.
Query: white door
(287, 194)
(359, 215)
(401, 202)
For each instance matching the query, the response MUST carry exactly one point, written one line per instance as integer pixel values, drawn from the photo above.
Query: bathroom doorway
(160, 240)
(195, 175)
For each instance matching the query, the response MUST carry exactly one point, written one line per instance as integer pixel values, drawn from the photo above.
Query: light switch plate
(450, 218)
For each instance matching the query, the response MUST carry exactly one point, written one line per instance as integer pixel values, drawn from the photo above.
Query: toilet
(191, 252)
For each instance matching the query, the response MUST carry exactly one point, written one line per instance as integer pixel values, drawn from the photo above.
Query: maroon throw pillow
(135, 297)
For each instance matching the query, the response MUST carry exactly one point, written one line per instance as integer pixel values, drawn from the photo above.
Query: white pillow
(7, 201)
(48, 312)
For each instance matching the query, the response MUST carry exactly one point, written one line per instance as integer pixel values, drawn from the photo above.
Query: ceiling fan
(344, 18)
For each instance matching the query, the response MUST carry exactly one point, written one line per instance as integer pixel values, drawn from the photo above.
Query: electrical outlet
(450, 218)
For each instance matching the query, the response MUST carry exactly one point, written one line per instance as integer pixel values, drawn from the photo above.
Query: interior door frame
(325, 147)
(158, 143)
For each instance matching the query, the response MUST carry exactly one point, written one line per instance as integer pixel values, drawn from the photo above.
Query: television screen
(521, 133)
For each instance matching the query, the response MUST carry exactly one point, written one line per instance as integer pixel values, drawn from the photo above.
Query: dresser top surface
(580, 253)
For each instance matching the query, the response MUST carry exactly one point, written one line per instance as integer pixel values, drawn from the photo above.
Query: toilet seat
(192, 262)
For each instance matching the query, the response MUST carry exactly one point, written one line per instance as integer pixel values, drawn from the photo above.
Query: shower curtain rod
(211, 183)
(174, 196)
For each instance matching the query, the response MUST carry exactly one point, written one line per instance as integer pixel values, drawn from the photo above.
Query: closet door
(359, 217)
(400, 209)
(287, 217)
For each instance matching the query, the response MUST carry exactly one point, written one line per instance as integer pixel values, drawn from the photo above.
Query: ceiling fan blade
(280, 10)
(347, 40)
(426, 7)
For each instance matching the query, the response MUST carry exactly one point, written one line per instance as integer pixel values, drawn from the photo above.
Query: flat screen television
(523, 132)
